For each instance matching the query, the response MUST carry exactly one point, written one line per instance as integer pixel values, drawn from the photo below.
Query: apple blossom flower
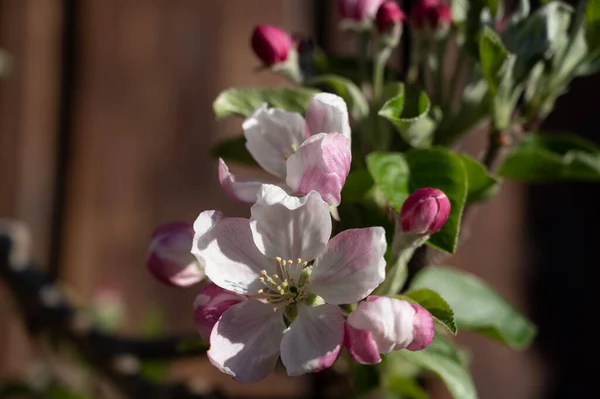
(389, 15)
(380, 325)
(294, 277)
(359, 10)
(425, 211)
(209, 305)
(271, 44)
(305, 155)
(169, 257)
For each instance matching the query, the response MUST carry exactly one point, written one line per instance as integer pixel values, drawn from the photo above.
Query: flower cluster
(277, 278)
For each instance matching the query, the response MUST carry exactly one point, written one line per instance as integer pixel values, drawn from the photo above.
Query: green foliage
(390, 173)
(476, 306)
(482, 185)
(445, 360)
(494, 57)
(243, 101)
(436, 305)
(592, 23)
(409, 113)
(550, 157)
(406, 387)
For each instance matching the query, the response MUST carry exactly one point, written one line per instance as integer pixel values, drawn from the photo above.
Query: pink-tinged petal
(389, 320)
(230, 257)
(423, 329)
(314, 340)
(360, 345)
(351, 267)
(241, 189)
(328, 113)
(245, 342)
(321, 164)
(272, 135)
(209, 305)
(169, 256)
(290, 227)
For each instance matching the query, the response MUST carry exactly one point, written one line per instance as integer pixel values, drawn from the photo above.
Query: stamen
(294, 147)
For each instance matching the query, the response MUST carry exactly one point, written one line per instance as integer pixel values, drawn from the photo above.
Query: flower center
(294, 149)
(286, 287)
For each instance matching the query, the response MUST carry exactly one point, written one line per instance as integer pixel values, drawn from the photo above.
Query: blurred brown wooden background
(135, 105)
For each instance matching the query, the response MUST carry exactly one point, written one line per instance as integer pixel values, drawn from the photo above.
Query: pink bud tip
(169, 256)
(210, 303)
(359, 10)
(430, 13)
(389, 15)
(271, 44)
(423, 329)
(425, 211)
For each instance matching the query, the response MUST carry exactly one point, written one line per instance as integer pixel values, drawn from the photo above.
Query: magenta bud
(388, 16)
(359, 10)
(271, 44)
(423, 329)
(169, 256)
(210, 303)
(430, 13)
(425, 211)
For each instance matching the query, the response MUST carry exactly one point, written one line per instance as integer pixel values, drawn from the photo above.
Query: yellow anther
(294, 147)
(289, 262)
(298, 261)
(278, 259)
(261, 279)
(305, 264)
(261, 291)
(275, 276)
(264, 272)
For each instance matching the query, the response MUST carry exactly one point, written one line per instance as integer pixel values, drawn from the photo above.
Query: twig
(46, 309)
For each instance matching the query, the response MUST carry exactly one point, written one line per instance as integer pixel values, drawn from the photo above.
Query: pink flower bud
(169, 257)
(210, 303)
(423, 329)
(359, 10)
(432, 14)
(425, 211)
(388, 16)
(271, 44)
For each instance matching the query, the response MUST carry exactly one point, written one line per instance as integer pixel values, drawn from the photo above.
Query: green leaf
(541, 158)
(358, 183)
(436, 305)
(409, 113)
(477, 306)
(444, 360)
(442, 169)
(243, 101)
(406, 387)
(493, 57)
(592, 25)
(233, 150)
(345, 88)
(481, 184)
(390, 172)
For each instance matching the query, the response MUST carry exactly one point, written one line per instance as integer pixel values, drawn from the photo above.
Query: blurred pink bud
(430, 13)
(425, 211)
(423, 329)
(169, 257)
(388, 16)
(359, 10)
(271, 44)
(210, 303)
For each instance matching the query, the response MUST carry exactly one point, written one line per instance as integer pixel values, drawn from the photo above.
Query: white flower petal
(290, 227)
(389, 320)
(241, 189)
(230, 258)
(328, 113)
(321, 164)
(314, 340)
(272, 135)
(351, 267)
(245, 342)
